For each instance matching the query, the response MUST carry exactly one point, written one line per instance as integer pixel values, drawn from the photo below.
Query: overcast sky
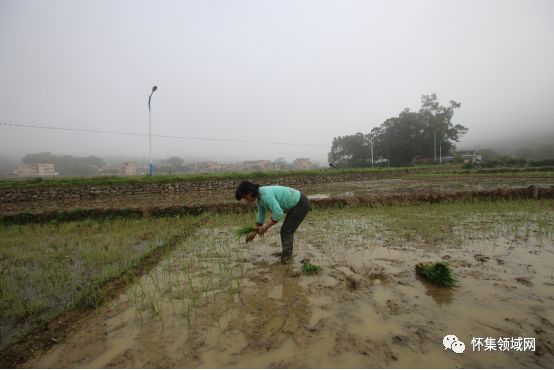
(298, 72)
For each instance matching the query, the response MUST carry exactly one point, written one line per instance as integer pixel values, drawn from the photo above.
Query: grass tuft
(437, 273)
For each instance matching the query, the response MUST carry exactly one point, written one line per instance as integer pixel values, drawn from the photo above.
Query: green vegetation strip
(76, 214)
(49, 269)
(424, 170)
(162, 179)
(490, 172)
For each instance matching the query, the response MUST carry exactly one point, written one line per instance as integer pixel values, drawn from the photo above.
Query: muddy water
(343, 189)
(411, 185)
(366, 307)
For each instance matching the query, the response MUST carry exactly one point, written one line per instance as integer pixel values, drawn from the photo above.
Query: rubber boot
(287, 241)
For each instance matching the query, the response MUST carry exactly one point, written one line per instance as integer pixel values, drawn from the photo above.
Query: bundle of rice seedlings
(308, 268)
(437, 273)
(244, 231)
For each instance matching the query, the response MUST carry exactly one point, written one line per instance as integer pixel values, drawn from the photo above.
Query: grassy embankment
(416, 171)
(490, 172)
(162, 179)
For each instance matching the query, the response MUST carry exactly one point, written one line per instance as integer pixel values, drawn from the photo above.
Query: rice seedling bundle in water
(244, 231)
(308, 268)
(437, 273)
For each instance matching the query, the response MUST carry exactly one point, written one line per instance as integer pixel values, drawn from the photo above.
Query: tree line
(428, 132)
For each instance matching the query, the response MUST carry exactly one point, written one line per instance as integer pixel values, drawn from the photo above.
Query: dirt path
(366, 308)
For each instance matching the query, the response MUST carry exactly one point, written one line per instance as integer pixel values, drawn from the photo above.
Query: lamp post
(371, 144)
(371, 137)
(150, 126)
(435, 146)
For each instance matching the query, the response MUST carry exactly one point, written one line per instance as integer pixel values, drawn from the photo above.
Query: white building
(302, 163)
(128, 169)
(35, 169)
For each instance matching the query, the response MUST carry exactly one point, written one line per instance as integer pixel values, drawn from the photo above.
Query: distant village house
(258, 165)
(128, 169)
(302, 163)
(35, 170)
(469, 156)
(208, 166)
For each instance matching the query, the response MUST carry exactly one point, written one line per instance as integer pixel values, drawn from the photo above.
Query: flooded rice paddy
(216, 302)
(421, 185)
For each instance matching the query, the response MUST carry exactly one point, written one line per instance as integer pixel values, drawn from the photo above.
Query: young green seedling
(437, 273)
(309, 268)
(243, 231)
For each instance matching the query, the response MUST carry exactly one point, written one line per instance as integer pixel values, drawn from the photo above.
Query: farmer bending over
(277, 200)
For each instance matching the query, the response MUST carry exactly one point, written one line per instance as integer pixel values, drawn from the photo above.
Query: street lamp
(371, 143)
(150, 126)
(371, 137)
(435, 146)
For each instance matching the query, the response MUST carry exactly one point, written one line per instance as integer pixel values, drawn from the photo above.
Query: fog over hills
(236, 77)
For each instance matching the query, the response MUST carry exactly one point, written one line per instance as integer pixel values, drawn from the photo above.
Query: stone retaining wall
(94, 191)
(338, 202)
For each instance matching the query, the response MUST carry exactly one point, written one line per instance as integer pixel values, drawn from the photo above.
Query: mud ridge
(333, 202)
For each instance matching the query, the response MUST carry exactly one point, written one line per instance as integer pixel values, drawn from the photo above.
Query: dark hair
(246, 187)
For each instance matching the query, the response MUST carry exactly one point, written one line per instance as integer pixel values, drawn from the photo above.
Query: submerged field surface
(215, 302)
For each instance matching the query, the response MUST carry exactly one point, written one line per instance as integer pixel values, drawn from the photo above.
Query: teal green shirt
(276, 199)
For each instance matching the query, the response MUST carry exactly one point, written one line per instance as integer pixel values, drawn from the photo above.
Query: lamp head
(154, 88)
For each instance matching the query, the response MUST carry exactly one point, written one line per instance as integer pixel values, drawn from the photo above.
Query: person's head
(248, 191)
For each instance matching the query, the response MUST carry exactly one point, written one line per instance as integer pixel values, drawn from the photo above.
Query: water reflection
(441, 295)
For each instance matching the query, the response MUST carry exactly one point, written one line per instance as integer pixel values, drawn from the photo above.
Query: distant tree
(45, 157)
(529, 153)
(489, 154)
(400, 139)
(175, 162)
(412, 134)
(544, 152)
(7, 165)
(504, 161)
(350, 150)
(524, 153)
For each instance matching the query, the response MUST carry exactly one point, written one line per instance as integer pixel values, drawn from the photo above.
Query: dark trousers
(294, 218)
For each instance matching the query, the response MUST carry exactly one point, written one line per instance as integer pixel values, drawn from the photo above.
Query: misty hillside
(513, 145)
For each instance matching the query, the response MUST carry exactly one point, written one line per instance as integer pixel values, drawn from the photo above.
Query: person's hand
(261, 229)
(251, 236)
